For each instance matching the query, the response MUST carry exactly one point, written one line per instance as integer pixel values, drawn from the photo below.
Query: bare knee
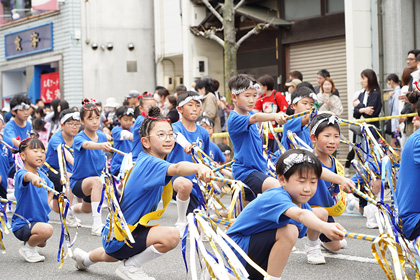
(183, 186)
(288, 234)
(171, 239)
(321, 213)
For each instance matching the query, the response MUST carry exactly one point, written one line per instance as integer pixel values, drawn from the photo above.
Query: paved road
(354, 262)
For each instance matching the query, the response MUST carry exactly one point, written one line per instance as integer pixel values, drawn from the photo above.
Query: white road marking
(342, 257)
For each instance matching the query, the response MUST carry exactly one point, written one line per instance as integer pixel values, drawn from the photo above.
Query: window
(300, 9)
(334, 6)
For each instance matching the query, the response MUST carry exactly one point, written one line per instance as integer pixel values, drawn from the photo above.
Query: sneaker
(131, 272)
(314, 255)
(79, 255)
(343, 243)
(97, 230)
(72, 221)
(371, 211)
(30, 255)
(181, 227)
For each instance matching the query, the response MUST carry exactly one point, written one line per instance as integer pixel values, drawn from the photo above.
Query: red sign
(45, 5)
(50, 87)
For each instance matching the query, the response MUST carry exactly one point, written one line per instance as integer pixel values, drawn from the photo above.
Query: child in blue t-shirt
(269, 226)
(303, 99)
(215, 153)
(146, 102)
(30, 222)
(70, 124)
(186, 188)
(325, 134)
(19, 127)
(123, 138)
(250, 164)
(142, 193)
(90, 147)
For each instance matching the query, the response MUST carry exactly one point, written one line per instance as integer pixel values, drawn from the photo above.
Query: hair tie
(156, 119)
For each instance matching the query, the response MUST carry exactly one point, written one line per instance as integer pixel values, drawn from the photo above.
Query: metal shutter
(330, 54)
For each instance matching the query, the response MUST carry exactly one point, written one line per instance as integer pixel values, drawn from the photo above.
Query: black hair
(266, 80)
(413, 97)
(39, 99)
(296, 75)
(312, 163)
(39, 124)
(205, 83)
(159, 87)
(186, 94)
(372, 80)
(180, 89)
(201, 118)
(301, 92)
(31, 143)
(324, 73)
(65, 112)
(324, 124)
(163, 92)
(172, 100)
(393, 77)
(19, 99)
(121, 111)
(224, 147)
(88, 108)
(148, 123)
(306, 84)
(240, 81)
(215, 84)
(415, 52)
(54, 107)
(40, 111)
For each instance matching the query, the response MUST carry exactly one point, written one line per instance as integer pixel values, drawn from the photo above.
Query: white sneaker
(79, 255)
(31, 255)
(97, 230)
(343, 243)
(73, 221)
(314, 254)
(131, 272)
(371, 211)
(181, 227)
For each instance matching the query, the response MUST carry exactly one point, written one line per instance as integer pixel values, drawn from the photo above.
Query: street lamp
(16, 15)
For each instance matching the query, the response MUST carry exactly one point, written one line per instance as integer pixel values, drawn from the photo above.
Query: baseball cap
(293, 82)
(133, 93)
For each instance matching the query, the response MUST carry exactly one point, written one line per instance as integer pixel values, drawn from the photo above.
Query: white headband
(299, 98)
(74, 115)
(294, 159)
(188, 99)
(21, 106)
(130, 111)
(331, 120)
(251, 85)
(1, 118)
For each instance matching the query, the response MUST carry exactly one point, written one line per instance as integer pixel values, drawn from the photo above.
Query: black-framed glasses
(163, 136)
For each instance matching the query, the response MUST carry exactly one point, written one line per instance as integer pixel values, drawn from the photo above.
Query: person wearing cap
(123, 137)
(291, 87)
(19, 127)
(108, 113)
(133, 98)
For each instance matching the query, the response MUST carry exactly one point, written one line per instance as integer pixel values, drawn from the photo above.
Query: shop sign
(29, 41)
(50, 87)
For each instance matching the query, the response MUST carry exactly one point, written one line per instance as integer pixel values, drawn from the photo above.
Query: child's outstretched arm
(279, 118)
(185, 168)
(334, 231)
(90, 145)
(33, 178)
(329, 176)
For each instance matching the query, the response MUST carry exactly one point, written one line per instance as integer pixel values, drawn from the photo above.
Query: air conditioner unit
(168, 83)
(201, 66)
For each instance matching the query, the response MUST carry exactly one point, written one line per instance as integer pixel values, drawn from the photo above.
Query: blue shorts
(140, 236)
(77, 191)
(3, 191)
(55, 179)
(259, 249)
(416, 232)
(254, 181)
(24, 233)
(322, 236)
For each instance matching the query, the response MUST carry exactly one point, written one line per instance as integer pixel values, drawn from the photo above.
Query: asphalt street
(354, 262)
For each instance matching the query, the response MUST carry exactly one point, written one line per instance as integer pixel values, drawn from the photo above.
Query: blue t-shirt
(51, 157)
(6, 160)
(87, 163)
(216, 154)
(323, 195)
(122, 145)
(12, 130)
(137, 147)
(262, 214)
(247, 146)
(295, 125)
(142, 194)
(32, 202)
(200, 136)
(407, 193)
